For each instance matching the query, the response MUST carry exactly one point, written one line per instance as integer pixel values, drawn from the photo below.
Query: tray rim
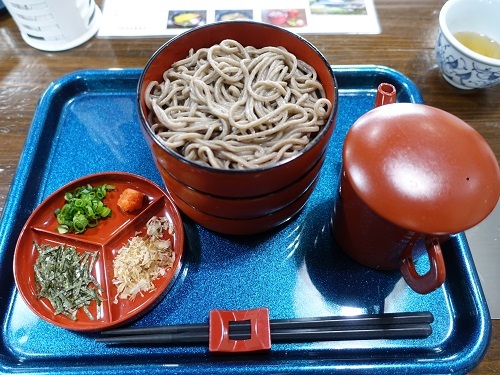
(8, 219)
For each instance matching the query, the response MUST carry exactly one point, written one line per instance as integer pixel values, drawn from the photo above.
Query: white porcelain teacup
(461, 65)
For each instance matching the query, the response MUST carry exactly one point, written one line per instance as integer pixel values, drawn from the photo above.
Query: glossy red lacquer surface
(245, 226)
(422, 168)
(243, 208)
(106, 239)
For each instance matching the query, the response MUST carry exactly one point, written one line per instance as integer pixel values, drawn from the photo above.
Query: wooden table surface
(406, 44)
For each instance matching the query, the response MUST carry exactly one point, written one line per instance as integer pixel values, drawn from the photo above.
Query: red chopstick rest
(260, 331)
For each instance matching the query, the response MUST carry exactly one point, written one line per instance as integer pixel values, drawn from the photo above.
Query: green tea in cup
(479, 43)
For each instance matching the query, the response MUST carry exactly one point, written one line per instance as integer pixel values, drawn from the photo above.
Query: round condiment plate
(106, 239)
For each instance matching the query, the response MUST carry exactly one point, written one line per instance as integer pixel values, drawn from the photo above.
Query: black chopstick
(364, 327)
(401, 331)
(316, 322)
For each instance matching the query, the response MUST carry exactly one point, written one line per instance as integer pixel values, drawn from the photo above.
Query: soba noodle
(236, 107)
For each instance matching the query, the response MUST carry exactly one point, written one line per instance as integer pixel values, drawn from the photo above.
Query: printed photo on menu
(285, 17)
(338, 7)
(186, 18)
(233, 14)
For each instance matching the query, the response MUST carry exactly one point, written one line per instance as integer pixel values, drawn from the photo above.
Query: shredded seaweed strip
(63, 276)
(83, 209)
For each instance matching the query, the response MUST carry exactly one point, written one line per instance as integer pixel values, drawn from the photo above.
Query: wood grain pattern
(406, 44)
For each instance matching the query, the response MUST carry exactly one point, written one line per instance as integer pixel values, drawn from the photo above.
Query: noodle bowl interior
(236, 107)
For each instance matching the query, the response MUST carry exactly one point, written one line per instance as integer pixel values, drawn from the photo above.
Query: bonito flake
(143, 259)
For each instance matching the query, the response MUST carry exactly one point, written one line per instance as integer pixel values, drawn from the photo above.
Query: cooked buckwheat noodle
(235, 107)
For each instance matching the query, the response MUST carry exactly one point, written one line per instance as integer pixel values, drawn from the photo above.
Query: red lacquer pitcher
(411, 173)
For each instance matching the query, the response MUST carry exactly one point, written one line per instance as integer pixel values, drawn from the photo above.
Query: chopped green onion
(83, 209)
(64, 277)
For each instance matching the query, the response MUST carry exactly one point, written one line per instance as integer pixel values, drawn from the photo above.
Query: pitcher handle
(436, 275)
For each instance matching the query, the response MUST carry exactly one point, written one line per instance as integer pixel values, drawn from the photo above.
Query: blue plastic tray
(295, 270)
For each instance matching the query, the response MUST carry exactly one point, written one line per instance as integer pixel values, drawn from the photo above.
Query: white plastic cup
(55, 25)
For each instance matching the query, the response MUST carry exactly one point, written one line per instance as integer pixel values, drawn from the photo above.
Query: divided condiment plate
(111, 234)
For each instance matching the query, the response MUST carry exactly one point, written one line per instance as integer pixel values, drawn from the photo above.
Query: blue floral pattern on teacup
(460, 70)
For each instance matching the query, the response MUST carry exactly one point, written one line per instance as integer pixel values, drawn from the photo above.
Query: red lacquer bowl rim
(208, 29)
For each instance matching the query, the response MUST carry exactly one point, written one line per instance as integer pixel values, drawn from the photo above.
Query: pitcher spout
(386, 94)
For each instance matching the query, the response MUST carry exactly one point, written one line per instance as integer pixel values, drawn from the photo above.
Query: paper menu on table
(151, 18)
